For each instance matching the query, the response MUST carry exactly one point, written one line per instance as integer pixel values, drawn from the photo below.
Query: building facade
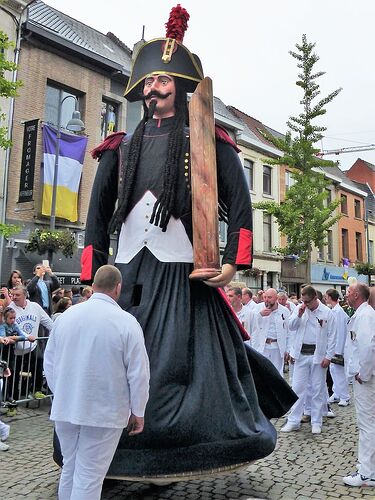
(60, 58)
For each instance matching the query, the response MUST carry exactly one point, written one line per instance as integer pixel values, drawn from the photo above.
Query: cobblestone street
(302, 466)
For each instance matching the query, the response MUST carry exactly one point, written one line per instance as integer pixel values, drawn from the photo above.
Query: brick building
(61, 57)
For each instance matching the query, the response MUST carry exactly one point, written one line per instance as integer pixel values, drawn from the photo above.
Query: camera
(2, 296)
(3, 367)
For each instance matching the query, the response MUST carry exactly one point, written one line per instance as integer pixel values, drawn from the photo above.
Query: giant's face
(162, 90)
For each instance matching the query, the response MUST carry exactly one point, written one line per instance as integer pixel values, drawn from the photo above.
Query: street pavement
(303, 466)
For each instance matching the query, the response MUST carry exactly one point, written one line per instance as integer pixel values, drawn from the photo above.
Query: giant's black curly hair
(164, 205)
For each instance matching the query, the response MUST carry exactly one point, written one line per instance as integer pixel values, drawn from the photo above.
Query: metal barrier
(27, 382)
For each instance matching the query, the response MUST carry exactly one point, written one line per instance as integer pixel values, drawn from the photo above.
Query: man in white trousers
(340, 380)
(361, 329)
(269, 335)
(312, 347)
(97, 368)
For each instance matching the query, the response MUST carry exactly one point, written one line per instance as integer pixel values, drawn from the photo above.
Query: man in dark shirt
(40, 288)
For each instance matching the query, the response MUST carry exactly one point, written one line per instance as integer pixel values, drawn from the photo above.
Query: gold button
(186, 154)
(186, 167)
(186, 174)
(186, 161)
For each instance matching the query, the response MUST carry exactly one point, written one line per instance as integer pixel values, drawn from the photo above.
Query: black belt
(308, 349)
(270, 341)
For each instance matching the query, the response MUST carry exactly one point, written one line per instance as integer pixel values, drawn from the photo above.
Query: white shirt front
(28, 319)
(317, 327)
(173, 245)
(245, 317)
(275, 325)
(96, 365)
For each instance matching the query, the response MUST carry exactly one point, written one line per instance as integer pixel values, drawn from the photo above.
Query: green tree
(306, 213)
(8, 88)
(366, 269)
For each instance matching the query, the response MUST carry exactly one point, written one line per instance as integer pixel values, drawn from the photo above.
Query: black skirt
(203, 411)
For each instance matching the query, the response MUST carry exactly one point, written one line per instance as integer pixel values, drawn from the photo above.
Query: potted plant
(47, 241)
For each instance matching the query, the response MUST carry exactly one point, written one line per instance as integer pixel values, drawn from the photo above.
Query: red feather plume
(177, 23)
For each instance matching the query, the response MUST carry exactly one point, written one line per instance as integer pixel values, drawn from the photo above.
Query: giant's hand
(226, 276)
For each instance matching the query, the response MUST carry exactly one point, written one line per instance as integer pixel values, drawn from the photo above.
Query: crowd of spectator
(27, 311)
(327, 343)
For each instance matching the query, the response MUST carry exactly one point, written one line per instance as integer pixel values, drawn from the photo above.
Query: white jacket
(262, 325)
(325, 340)
(96, 365)
(342, 328)
(361, 330)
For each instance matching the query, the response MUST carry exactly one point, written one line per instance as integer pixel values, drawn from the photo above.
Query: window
(108, 123)
(267, 233)
(371, 252)
(80, 239)
(54, 98)
(289, 181)
(267, 171)
(329, 245)
(321, 252)
(223, 232)
(344, 204)
(328, 200)
(344, 243)
(248, 166)
(358, 247)
(357, 209)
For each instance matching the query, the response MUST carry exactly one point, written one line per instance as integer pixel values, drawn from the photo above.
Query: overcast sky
(244, 47)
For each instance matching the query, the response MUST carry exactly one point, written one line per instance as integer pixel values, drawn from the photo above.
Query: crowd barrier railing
(27, 381)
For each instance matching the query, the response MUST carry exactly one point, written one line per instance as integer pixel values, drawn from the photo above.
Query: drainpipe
(3, 201)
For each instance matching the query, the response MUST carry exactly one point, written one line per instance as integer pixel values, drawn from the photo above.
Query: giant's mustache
(155, 93)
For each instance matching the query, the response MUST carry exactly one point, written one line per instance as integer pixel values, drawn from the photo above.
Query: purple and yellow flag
(71, 156)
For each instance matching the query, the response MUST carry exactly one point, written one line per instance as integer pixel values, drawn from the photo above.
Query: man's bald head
(270, 297)
(107, 279)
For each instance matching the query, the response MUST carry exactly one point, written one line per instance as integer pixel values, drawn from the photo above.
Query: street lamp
(75, 124)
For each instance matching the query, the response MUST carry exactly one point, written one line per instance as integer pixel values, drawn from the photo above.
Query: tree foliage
(8, 88)
(365, 268)
(7, 230)
(306, 213)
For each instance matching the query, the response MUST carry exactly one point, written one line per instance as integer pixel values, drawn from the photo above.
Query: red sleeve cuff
(86, 263)
(244, 250)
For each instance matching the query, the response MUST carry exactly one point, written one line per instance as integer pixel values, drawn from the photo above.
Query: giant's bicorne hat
(166, 55)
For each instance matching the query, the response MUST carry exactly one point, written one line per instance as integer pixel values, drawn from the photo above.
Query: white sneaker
(290, 427)
(3, 446)
(344, 402)
(4, 436)
(316, 429)
(330, 413)
(356, 479)
(332, 399)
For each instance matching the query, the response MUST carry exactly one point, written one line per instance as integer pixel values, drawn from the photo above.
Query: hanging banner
(69, 169)
(30, 134)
